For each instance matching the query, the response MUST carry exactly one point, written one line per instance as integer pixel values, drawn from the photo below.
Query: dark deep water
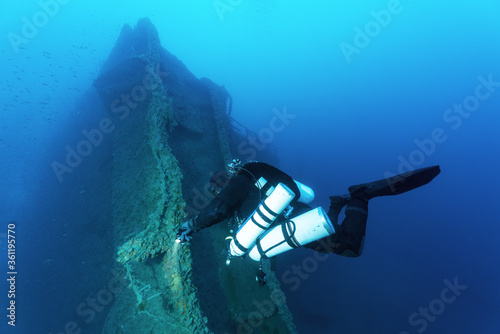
(347, 91)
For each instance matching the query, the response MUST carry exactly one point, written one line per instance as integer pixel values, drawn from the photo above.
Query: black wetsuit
(241, 196)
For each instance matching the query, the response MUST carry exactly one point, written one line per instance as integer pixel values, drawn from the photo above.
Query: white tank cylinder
(261, 218)
(308, 227)
(306, 193)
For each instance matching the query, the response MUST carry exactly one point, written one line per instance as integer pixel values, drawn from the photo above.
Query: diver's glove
(184, 233)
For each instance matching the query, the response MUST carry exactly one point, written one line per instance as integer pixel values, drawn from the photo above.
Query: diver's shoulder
(258, 165)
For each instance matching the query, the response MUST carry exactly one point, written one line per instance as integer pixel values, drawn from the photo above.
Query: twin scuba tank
(255, 239)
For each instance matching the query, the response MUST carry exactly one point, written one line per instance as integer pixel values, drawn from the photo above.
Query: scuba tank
(261, 218)
(293, 233)
(306, 193)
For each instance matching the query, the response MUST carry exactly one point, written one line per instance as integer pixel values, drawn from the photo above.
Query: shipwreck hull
(171, 132)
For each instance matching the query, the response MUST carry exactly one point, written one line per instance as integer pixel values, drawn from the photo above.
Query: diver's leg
(336, 205)
(353, 228)
(352, 231)
(331, 243)
(348, 238)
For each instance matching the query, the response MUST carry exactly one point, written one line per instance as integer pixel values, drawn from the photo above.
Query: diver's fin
(396, 184)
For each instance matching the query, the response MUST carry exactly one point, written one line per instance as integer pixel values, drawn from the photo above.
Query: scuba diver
(278, 217)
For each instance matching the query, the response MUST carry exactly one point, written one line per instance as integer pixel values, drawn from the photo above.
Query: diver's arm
(225, 204)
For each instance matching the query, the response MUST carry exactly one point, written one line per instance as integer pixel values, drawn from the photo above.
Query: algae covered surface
(172, 132)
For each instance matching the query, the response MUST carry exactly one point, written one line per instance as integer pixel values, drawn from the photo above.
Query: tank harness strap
(290, 237)
(263, 216)
(261, 251)
(240, 246)
(269, 210)
(257, 224)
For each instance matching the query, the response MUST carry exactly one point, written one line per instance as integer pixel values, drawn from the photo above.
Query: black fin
(396, 184)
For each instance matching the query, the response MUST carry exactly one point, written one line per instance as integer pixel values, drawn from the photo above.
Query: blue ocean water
(348, 92)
